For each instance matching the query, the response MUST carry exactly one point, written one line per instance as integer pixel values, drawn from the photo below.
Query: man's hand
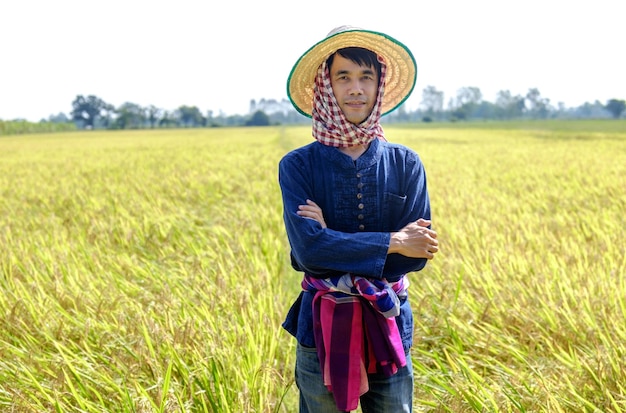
(415, 240)
(312, 211)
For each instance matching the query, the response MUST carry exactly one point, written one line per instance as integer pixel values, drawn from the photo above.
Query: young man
(357, 216)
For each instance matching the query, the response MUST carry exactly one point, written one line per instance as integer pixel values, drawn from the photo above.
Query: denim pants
(386, 394)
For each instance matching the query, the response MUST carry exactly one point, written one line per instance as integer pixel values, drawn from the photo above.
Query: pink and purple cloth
(355, 332)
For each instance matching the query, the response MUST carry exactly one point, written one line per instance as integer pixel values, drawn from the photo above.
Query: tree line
(468, 104)
(89, 112)
(92, 112)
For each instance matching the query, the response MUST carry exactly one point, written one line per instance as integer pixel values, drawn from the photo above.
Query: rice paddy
(148, 271)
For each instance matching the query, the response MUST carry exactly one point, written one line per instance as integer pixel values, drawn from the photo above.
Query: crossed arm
(415, 240)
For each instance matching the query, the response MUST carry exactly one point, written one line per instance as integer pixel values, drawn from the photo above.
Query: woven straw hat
(401, 66)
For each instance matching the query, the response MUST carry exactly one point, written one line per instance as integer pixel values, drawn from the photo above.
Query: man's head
(354, 76)
(401, 69)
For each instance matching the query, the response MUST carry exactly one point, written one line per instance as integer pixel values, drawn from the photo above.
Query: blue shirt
(363, 201)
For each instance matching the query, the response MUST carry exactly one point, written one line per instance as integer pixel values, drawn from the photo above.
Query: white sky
(220, 54)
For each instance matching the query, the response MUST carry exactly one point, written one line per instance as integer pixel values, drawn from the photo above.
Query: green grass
(148, 271)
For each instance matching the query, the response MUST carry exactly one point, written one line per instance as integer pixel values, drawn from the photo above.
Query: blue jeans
(386, 394)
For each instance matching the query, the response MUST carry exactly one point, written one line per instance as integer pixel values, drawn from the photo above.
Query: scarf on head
(330, 126)
(355, 332)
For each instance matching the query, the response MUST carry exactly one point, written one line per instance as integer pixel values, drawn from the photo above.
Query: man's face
(355, 88)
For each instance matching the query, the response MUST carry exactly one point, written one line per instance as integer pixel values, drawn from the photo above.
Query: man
(357, 216)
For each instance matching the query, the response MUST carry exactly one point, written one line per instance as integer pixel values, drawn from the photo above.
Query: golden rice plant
(148, 271)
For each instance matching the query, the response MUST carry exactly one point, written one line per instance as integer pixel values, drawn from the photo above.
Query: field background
(147, 271)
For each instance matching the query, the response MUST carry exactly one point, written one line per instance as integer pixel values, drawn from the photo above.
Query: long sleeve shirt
(363, 201)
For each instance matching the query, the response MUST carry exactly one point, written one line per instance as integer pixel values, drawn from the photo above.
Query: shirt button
(359, 185)
(361, 206)
(361, 216)
(359, 175)
(359, 196)
(361, 227)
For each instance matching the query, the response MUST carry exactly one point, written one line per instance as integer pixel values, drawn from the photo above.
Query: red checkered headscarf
(330, 126)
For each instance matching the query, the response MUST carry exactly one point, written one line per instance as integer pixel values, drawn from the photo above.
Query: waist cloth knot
(355, 332)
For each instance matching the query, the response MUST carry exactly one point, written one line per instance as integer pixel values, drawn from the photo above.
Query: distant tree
(432, 101)
(234, 120)
(153, 114)
(292, 117)
(538, 107)
(59, 118)
(509, 106)
(484, 110)
(106, 117)
(595, 110)
(211, 120)
(129, 116)
(259, 118)
(469, 96)
(87, 110)
(167, 120)
(270, 106)
(467, 101)
(190, 116)
(616, 107)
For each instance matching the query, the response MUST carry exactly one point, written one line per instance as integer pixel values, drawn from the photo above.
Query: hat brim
(400, 76)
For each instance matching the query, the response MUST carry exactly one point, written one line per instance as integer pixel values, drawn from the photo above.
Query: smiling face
(355, 87)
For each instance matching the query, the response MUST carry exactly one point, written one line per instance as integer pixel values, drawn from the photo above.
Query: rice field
(148, 271)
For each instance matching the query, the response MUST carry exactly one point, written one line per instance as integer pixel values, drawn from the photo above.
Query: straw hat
(401, 66)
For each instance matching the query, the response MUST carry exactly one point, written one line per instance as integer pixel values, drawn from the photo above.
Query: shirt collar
(367, 159)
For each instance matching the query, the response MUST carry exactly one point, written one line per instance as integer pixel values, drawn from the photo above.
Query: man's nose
(356, 88)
